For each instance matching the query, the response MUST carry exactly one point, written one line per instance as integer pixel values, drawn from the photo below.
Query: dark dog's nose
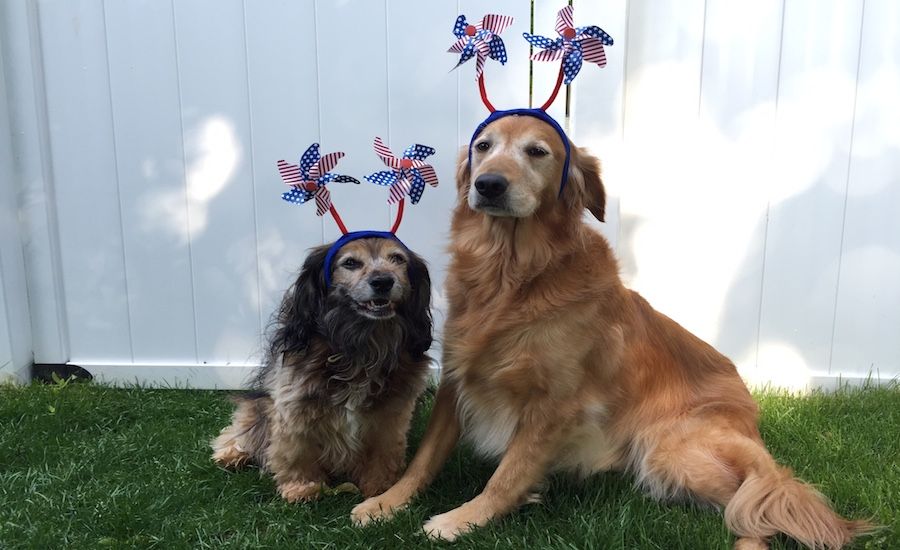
(381, 283)
(491, 186)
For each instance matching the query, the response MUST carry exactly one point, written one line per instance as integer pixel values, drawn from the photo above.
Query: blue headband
(352, 236)
(536, 113)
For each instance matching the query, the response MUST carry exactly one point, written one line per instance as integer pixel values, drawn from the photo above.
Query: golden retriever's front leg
(522, 467)
(440, 437)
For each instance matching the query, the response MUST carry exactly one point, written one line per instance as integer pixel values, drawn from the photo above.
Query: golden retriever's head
(517, 167)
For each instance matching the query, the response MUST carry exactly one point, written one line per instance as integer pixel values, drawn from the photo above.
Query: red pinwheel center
(310, 186)
(568, 33)
(406, 164)
(471, 30)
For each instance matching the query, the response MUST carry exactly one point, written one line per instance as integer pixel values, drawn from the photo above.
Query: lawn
(88, 466)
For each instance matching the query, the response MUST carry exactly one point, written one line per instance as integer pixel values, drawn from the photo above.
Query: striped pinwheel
(573, 45)
(309, 178)
(480, 40)
(407, 175)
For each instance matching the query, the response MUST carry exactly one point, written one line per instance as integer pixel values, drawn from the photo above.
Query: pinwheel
(407, 175)
(573, 45)
(309, 178)
(480, 40)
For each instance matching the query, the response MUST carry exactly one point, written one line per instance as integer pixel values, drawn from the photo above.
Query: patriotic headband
(573, 46)
(352, 236)
(536, 113)
(407, 176)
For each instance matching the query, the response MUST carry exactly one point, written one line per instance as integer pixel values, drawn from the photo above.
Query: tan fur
(551, 363)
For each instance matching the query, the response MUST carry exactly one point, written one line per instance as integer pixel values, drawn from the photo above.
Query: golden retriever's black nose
(381, 283)
(491, 186)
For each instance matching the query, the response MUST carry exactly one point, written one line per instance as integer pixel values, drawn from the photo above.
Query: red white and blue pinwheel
(309, 178)
(573, 45)
(408, 174)
(480, 40)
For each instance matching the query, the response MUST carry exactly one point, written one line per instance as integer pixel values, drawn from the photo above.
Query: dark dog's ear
(586, 168)
(302, 308)
(418, 308)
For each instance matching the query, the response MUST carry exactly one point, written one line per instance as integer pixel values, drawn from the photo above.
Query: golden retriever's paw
(300, 491)
(448, 526)
(375, 508)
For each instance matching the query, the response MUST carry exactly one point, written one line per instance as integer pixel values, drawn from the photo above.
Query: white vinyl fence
(751, 153)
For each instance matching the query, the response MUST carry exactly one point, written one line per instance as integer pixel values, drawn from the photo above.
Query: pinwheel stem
(399, 217)
(484, 97)
(559, 80)
(338, 220)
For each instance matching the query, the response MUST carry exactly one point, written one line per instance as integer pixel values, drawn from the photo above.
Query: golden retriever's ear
(462, 171)
(588, 166)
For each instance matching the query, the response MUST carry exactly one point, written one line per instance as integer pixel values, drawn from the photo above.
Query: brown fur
(339, 385)
(550, 363)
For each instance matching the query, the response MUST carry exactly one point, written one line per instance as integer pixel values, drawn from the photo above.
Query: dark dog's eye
(535, 151)
(483, 146)
(397, 259)
(351, 264)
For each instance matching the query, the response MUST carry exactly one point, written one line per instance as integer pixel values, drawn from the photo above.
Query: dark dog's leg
(441, 436)
(293, 459)
(385, 449)
(244, 441)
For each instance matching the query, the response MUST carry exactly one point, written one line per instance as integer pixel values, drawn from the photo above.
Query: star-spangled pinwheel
(408, 174)
(309, 178)
(573, 45)
(480, 40)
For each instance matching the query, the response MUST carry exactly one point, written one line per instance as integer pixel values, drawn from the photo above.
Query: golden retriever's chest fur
(490, 418)
(505, 349)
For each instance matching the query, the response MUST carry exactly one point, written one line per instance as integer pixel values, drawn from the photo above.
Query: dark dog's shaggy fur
(341, 375)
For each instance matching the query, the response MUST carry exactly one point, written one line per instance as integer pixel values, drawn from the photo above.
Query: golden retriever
(345, 364)
(550, 363)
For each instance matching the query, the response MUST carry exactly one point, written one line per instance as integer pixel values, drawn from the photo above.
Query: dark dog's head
(372, 276)
(379, 289)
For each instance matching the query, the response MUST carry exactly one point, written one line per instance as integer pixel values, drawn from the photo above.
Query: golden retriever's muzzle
(491, 192)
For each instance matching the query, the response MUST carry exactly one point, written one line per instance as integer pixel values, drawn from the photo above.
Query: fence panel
(867, 319)
(808, 184)
(83, 161)
(750, 164)
(146, 128)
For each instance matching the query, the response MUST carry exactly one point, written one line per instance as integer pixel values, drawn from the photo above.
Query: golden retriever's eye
(483, 146)
(535, 151)
(351, 264)
(397, 259)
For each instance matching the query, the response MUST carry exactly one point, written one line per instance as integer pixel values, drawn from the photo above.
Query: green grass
(88, 466)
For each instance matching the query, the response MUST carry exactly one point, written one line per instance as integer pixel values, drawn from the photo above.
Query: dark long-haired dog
(343, 369)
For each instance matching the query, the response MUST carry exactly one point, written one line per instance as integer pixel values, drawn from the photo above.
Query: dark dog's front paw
(375, 486)
(300, 491)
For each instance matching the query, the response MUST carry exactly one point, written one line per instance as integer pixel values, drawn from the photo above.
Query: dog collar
(352, 236)
(536, 113)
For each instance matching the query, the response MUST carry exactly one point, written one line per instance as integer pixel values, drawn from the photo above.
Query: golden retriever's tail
(245, 440)
(772, 500)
